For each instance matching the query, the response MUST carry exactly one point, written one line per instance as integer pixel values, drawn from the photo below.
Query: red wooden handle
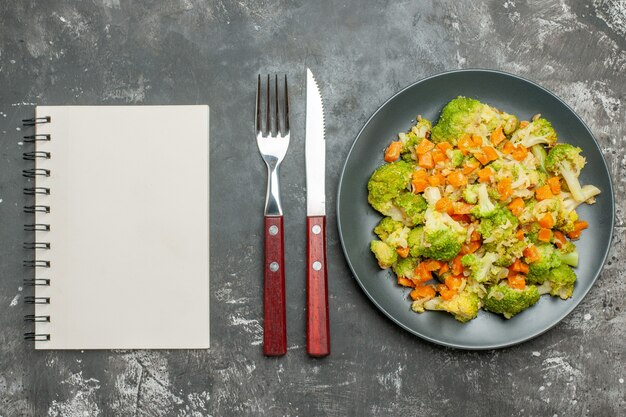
(275, 321)
(317, 329)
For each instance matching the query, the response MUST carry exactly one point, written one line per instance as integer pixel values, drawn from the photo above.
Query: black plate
(356, 218)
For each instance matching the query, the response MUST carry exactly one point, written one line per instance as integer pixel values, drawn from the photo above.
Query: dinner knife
(318, 330)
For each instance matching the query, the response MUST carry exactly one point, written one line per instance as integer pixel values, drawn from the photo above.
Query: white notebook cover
(129, 218)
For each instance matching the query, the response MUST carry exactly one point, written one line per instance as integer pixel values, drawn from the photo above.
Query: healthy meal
(480, 211)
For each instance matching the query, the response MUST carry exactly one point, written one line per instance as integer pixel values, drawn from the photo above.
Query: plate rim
(462, 346)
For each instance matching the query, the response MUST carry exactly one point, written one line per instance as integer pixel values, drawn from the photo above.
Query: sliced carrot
(431, 265)
(543, 193)
(426, 160)
(462, 218)
(403, 252)
(423, 274)
(423, 291)
(454, 283)
(437, 180)
(438, 156)
(547, 221)
(444, 268)
(555, 185)
(405, 282)
(523, 124)
(444, 205)
(393, 151)
(504, 188)
(579, 226)
(444, 146)
(519, 266)
(475, 236)
(490, 153)
(508, 147)
(477, 141)
(457, 266)
(419, 174)
(464, 143)
(482, 158)
(520, 152)
(470, 247)
(424, 146)
(419, 186)
(544, 234)
(457, 179)
(531, 254)
(497, 136)
(518, 282)
(559, 239)
(470, 167)
(484, 175)
(445, 292)
(519, 234)
(516, 206)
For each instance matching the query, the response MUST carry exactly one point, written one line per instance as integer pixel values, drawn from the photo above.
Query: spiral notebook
(121, 255)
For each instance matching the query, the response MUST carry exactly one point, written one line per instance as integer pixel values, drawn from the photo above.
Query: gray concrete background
(193, 51)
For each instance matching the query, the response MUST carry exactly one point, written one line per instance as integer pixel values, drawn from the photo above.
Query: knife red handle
(317, 329)
(274, 314)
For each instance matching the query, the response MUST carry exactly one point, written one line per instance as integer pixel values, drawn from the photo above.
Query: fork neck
(272, 198)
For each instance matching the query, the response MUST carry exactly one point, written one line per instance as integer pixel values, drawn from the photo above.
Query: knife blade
(318, 329)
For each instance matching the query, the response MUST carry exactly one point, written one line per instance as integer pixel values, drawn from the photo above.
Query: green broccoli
(387, 183)
(456, 156)
(499, 227)
(502, 299)
(398, 238)
(409, 141)
(386, 226)
(413, 207)
(416, 241)
(385, 254)
(588, 192)
(482, 268)
(470, 193)
(540, 156)
(548, 259)
(405, 267)
(539, 131)
(463, 306)
(443, 236)
(508, 251)
(565, 159)
(559, 282)
(485, 207)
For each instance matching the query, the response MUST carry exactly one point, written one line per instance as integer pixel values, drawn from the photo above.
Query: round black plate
(356, 218)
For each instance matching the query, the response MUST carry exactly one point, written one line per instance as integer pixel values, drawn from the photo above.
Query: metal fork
(273, 143)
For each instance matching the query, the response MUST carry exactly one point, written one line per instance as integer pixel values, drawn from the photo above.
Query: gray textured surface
(191, 51)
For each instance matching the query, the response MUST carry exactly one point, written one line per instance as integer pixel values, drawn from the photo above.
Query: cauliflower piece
(565, 160)
(539, 131)
(502, 299)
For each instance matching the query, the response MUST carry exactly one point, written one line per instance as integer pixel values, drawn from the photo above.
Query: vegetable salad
(480, 211)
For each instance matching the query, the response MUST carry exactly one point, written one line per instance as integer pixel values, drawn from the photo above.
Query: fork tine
(277, 121)
(286, 116)
(257, 115)
(268, 127)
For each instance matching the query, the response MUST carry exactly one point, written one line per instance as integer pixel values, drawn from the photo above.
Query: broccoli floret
(385, 254)
(539, 131)
(443, 236)
(386, 183)
(568, 254)
(456, 157)
(455, 118)
(416, 241)
(398, 238)
(422, 127)
(463, 306)
(540, 156)
(502, 299)
(588, 193)
(482, 268)
(409, 141)
(499, 227)
(507, 252)
(386, 226)
(560, 282)
(470, 193)
(413, 207)
(405, 267)
(565, 159)
(548, 259)
(485, 207)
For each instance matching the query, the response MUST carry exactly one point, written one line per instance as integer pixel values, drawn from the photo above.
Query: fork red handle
(275, 320)
(317, 329)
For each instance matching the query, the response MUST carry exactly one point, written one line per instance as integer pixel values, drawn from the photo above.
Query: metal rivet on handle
(273, 230)
(316, 229)
(317, 265)
(274, 266)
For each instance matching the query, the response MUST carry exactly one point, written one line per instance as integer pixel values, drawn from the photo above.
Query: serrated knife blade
(315, 149)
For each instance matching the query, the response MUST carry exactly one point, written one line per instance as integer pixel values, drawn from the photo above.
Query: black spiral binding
(36, 227)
